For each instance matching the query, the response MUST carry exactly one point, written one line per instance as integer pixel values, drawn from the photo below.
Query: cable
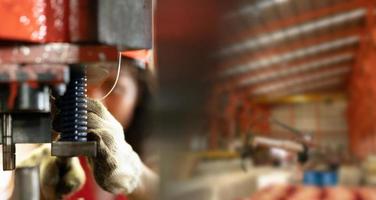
(116, 80)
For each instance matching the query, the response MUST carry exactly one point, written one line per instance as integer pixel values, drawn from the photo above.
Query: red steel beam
(357, 132)
(282, 49)
(231, 84)
(321, 88)
(304, 17)
(276, 69)
(287, 79)
(303, 73)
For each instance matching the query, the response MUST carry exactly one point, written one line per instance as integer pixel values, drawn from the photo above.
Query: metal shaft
(9, 149)
(278, 143)
(285, 126)
(27, 185)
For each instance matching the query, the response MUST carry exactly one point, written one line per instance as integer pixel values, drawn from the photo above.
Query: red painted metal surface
(240, 117)
(83, 20)
(254, 118)
(25, 20)
(362, 108)
(47, 20)
(57, 53)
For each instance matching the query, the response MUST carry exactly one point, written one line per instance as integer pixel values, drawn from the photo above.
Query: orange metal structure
(362, 84)
(240, 117)
(47, 20)
(362, 107)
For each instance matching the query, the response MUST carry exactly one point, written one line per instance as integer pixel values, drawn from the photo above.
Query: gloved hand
(117, 168)
(58, 176)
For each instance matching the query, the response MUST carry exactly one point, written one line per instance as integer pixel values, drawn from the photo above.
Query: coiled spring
(73, 106)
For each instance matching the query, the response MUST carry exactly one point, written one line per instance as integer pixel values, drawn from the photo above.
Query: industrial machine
(45, 55)
(26, 90)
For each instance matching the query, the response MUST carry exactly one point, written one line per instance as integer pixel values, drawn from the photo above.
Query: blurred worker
(117, 168)
(128, 104)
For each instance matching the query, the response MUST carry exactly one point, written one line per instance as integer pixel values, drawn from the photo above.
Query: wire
(116, 80)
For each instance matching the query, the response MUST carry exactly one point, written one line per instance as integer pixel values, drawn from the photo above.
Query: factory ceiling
(284, 47)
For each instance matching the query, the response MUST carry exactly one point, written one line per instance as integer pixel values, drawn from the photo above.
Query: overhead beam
(323, 86)
(284, 48)
(275, 76)
(233, 83)
(302, 98)
(296, 80)
(266, 62)
(325, 60)
(268, 39)
(304, 17)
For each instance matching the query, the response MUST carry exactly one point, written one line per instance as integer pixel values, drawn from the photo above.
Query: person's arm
(117, 167)
(148, 186)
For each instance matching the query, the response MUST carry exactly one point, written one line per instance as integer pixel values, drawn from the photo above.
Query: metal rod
(285, 126)
(27, 186)
(277, 143)
(9, 149)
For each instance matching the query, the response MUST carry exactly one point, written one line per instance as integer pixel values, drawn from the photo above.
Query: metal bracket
(71, 149)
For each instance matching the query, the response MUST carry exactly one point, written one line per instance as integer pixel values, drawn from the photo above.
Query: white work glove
(58, 176)
(117, 168)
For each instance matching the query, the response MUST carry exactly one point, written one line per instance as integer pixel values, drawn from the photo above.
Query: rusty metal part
(9, 148)
(41, 73)
(70, 149)
(57, 53)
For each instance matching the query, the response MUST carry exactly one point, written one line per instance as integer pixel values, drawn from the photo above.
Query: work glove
(117, 168)
(58, 176)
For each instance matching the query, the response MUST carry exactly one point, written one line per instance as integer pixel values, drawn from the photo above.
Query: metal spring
(73, 106)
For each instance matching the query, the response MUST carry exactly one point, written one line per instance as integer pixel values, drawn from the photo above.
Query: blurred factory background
(307, 62)
(290, 104)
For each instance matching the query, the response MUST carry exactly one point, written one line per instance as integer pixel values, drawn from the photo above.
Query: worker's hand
(58, 176)
(117, 168)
